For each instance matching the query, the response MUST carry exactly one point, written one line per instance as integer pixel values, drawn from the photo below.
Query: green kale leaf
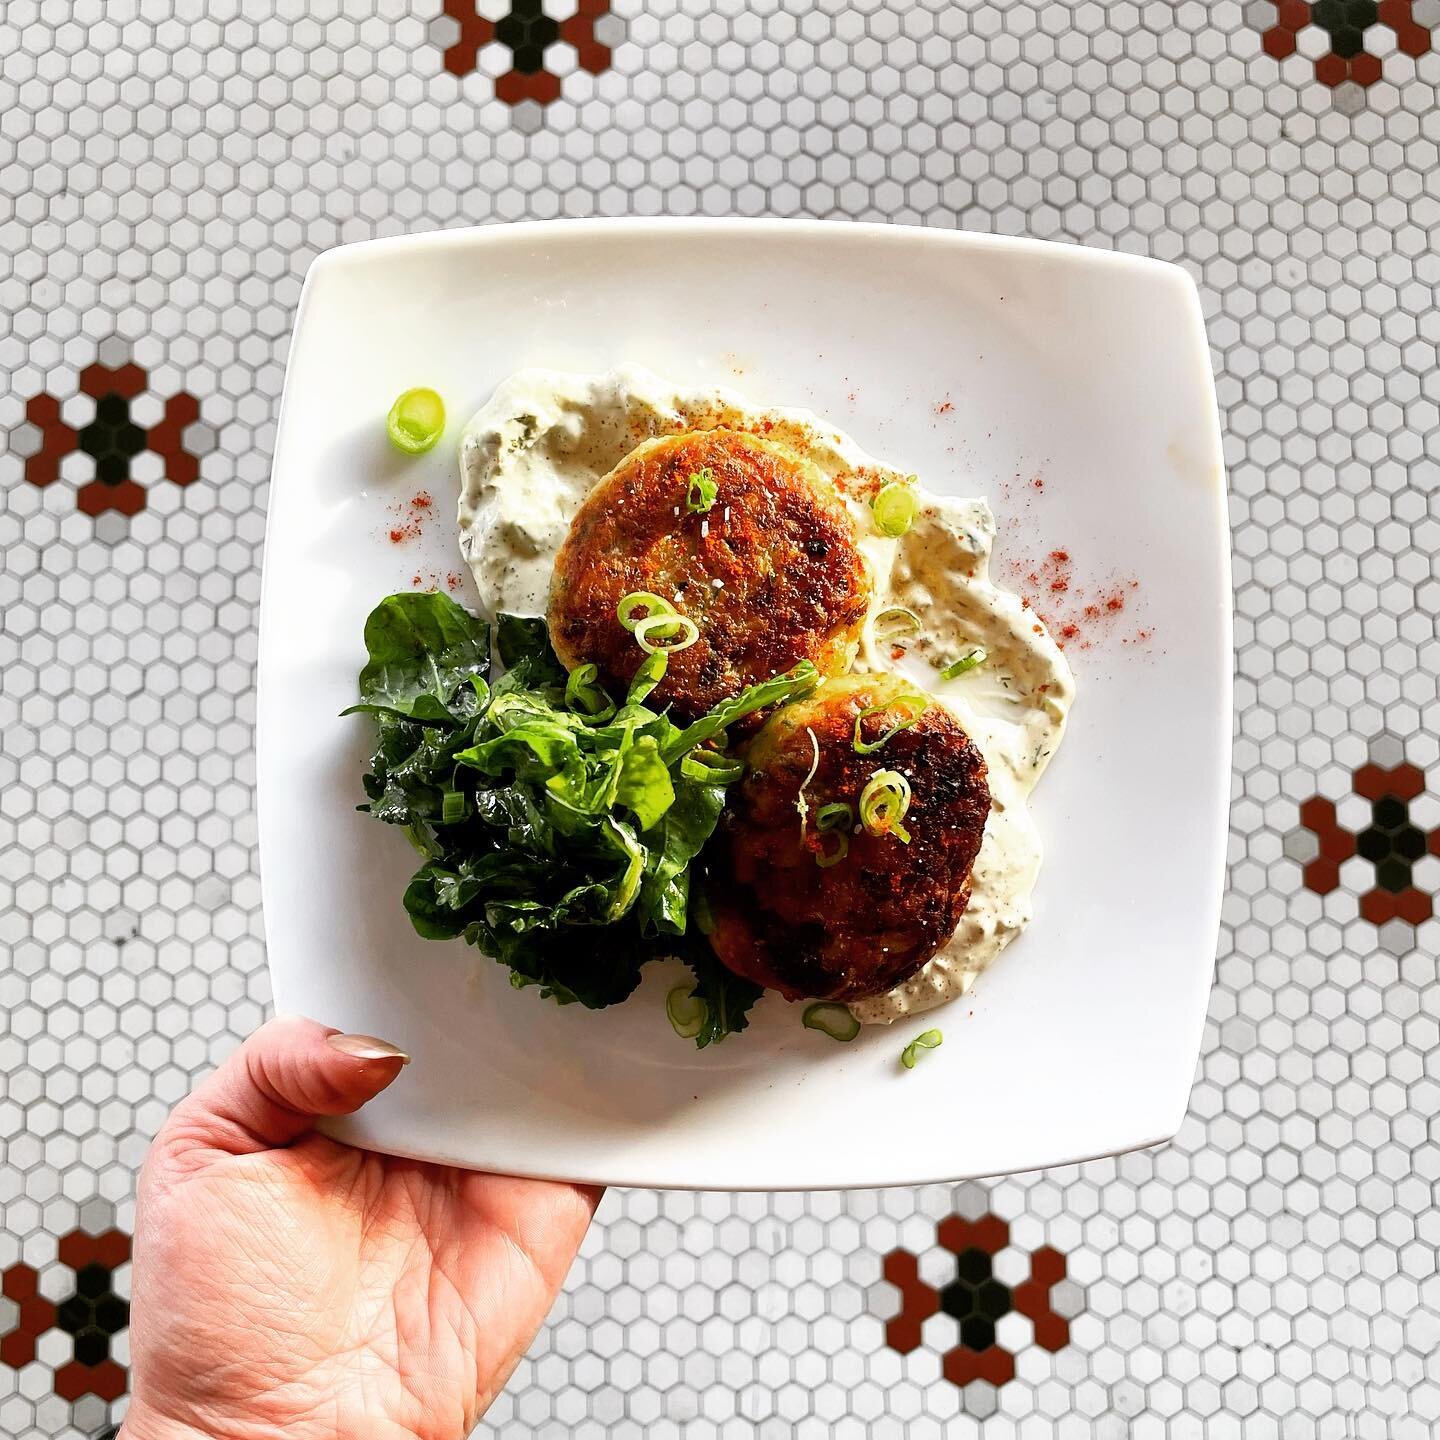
(423, 648)
(558, 841)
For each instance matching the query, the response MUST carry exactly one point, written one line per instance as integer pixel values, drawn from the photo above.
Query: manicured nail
(367, 1047)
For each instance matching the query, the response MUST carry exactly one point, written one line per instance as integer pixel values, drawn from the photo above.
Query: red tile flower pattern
(1391, 842)
(528, 32)
(112, 439)
(34, 1316)
(977, 1299)
(1345, 23)
(92, 1315)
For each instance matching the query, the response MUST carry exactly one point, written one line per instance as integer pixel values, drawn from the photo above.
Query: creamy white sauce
(1013, 706)
(546, 437)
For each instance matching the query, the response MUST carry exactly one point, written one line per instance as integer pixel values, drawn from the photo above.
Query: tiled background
(168, 168)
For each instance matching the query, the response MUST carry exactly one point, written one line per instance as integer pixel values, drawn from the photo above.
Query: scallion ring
(883, 803)
(664, 628)
(453, 806)
(835, 821)
(913, 706)
(894, 621)
(710, 767)
(687, 1013)
(833, 1020)
(416, 421)
(701, 491)
(965, 662)
(584, 695)
(894, 508)
(648, 604)
(928, 1040)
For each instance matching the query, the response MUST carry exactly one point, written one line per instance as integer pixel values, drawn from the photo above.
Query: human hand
(285, 1283)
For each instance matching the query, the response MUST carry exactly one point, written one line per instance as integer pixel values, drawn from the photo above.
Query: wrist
(142, 1424)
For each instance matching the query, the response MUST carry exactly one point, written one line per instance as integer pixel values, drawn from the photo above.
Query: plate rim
(1197, 983)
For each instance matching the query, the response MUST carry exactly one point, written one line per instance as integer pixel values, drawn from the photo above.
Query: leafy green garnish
(647, 677)
(524, 646)
(797, 681)
(557, 839)
(727, 997)
(587, 698)
(642, 783)
(422, 648)
(675, 842)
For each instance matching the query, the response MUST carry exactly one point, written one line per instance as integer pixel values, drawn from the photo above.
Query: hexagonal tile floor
(168, 171)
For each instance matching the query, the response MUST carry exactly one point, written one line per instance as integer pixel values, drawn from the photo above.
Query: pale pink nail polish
(367, 1047)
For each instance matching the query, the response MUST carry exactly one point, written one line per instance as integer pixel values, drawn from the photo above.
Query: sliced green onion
(647, 677)
(710, 767)
(894, 621)
(895, 508)
(833, 1020)
(663, 628)
(835, 820)
(927, 1041)
(584, 695)
(964, 663)
(452, 807)
(913, 706)
(883, 803)
(416, 421)
(701, 491)
(826, 858)
(802, 805)
(687, 1013)
(648, 604)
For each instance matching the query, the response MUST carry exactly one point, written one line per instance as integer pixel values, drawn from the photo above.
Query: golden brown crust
(871, 921)
(792, 585)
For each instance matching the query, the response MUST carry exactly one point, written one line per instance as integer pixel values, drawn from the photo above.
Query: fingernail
(367, 1047)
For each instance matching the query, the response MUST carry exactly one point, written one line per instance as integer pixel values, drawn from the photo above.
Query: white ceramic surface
(1089, 369)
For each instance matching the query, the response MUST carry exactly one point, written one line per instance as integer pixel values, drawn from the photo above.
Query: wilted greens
(557, 827)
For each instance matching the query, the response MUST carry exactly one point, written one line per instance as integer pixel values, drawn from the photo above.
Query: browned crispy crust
(778, 538)
(875, 918)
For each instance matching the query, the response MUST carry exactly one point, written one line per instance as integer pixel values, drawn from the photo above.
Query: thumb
(278, 1083)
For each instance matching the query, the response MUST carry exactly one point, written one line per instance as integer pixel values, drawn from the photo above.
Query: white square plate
(979, 363)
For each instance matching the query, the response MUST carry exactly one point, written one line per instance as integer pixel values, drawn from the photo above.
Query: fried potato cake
(769, 571)
(858, 925)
